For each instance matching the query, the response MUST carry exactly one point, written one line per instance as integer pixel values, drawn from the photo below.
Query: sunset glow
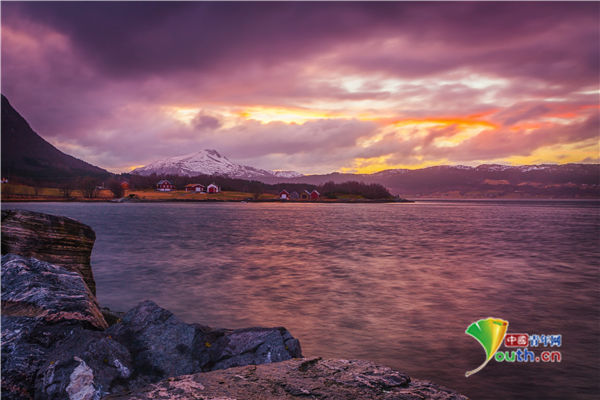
(287, 115)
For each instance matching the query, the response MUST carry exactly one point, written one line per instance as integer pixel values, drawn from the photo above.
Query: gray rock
(253, 346)
(111, 316)
(39, 359)
(311, 379)
(160, 342)
(43, 305)
(26, 343)
(164, 346)
(33, 288)
(84, 364)
(57, 240)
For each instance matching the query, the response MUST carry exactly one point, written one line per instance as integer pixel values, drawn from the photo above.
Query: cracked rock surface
(299, 378)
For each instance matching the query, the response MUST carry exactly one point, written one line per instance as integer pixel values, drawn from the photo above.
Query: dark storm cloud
(135, 39)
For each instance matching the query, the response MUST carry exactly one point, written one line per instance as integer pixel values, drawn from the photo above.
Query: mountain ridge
(483, 181)
(26, 155)
(208, 162)
(452, 181)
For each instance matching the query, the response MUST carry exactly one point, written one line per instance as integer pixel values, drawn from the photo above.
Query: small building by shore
(304, 195)
(164, 186)
(195, 187)
(212, 188)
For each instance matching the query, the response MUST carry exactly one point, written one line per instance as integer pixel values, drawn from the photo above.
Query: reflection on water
(394, 283)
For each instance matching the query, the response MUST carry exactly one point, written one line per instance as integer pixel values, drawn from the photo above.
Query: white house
(212, 188)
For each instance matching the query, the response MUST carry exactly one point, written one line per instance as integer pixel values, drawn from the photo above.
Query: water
(393, 283)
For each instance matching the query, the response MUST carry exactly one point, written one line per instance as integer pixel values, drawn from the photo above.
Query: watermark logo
(489, 333)
(523, 342)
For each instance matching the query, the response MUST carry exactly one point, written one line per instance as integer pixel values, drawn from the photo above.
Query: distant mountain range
(484, 181)
(30, 158)
(209, 162)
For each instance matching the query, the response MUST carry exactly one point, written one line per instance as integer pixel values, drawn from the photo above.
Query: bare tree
(87, 185)
(256, 188)
(66, 190)
(115, 186)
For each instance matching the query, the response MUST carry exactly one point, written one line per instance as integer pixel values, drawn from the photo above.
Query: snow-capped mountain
(287, 174)
(209, 162)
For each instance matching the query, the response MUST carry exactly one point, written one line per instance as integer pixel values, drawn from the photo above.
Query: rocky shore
(58, 343)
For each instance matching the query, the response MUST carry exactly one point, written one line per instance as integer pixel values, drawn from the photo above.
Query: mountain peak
(209, 162)
(213, 152)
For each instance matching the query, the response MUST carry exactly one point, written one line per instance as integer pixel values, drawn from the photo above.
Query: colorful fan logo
(489, 333)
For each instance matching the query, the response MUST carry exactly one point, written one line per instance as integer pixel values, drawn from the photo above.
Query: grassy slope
(150, 194)
(23, 192)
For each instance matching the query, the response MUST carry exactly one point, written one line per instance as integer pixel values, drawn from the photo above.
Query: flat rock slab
(297, 378)
(54, 239)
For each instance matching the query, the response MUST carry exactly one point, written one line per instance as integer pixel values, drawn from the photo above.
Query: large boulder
(43, 306)
(34, 288)
(86, 365)
(163, 346)
(292, 379)
(57, 240)
(45, 360)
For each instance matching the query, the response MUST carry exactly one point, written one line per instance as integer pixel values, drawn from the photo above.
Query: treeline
(328, 190)
(368, 191)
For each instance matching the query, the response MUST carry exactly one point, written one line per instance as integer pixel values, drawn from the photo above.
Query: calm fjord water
(393, 283)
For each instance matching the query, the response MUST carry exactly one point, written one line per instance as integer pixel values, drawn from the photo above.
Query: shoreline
(119, 201)
(363, 201)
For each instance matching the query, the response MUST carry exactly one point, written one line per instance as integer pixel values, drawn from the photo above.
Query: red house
(212, 188)
(194, 187)
(284, 195)
(314, 195)
(164, 186)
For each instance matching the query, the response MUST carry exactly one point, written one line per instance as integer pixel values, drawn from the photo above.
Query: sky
(312, 87)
